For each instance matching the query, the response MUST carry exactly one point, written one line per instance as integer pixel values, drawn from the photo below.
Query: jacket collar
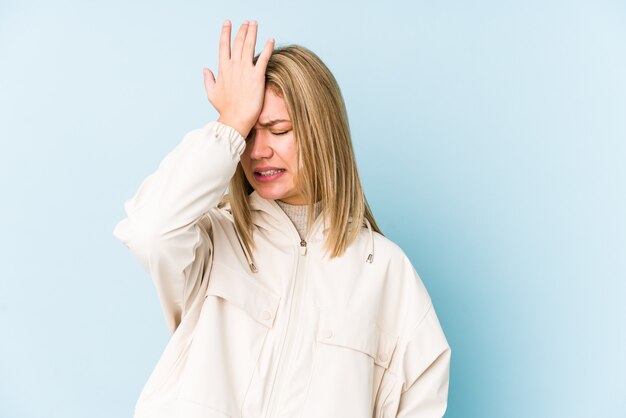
(271, 216)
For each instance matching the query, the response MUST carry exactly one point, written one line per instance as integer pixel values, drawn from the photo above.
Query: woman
(283, 297)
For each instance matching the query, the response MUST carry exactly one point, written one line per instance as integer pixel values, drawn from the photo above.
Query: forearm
(190, 180)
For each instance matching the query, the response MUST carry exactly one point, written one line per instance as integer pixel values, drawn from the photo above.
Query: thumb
(209, 81)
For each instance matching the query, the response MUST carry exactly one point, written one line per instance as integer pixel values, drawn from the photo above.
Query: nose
(261, 145)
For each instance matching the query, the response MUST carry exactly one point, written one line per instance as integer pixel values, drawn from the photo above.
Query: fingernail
(226, 22)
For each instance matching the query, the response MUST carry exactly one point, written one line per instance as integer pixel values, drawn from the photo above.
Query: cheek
(290, 153)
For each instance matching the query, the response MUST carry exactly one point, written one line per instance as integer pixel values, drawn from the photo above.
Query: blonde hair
(327, 166)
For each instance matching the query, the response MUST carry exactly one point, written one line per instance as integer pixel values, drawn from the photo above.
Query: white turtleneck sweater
(298, 213)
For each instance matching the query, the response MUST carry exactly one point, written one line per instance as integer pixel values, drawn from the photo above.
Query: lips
(268, 174)
(268, 171)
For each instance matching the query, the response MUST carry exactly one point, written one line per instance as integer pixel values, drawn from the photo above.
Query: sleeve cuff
(221, 130)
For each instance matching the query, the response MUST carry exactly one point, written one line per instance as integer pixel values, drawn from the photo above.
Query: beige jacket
(286, 333)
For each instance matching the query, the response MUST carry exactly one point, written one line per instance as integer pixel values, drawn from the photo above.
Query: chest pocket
(352, 352)
(243, 292)
(236, 317)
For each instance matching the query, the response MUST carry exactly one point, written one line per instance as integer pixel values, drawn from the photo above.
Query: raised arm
(165, 228)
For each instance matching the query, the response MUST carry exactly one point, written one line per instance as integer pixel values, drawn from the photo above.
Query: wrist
(241, 127)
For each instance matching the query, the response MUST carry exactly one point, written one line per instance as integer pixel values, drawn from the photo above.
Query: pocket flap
(244, 292)
(348, 330)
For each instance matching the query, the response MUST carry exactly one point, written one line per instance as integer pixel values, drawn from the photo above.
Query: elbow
(140, 239)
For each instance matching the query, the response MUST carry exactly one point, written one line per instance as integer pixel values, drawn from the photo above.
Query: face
(270, 158)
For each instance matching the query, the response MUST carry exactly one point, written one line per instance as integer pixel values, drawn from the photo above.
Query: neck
(298, 214)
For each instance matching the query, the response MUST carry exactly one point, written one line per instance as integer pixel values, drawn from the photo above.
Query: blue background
(490, 137)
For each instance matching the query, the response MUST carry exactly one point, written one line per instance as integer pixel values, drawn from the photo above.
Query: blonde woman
(283, 297)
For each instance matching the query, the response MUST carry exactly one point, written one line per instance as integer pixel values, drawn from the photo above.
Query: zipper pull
(302, 247)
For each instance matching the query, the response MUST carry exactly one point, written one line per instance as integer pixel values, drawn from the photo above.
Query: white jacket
(303, 336)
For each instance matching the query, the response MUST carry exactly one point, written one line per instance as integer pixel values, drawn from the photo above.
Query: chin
(270, 194)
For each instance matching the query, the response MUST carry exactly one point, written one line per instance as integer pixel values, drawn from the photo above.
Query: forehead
(274, 108)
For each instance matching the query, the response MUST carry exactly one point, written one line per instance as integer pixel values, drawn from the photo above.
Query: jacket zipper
(292, 322)
(303, 247)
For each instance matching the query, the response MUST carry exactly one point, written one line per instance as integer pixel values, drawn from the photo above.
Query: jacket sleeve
(163, 227)
(425, 358)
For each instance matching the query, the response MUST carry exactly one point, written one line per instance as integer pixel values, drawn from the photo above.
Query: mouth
(269, 174)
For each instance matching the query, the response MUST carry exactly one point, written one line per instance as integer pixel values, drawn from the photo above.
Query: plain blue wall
(490, 137)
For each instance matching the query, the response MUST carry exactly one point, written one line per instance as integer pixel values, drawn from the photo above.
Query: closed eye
(281, 133)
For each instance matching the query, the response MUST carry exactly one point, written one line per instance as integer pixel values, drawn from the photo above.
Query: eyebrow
(273, 122)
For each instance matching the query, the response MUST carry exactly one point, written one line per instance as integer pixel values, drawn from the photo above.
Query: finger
(224, 53)
(209, 81)
(250, 43)
(265, 55)
(239, 40)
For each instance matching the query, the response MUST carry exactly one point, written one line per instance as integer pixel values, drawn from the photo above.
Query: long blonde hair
(327, 166)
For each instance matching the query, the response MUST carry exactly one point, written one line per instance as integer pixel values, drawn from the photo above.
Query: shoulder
(217, 222)
(221, 214)
(387, 248)
(409, 294)
(388, 252)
